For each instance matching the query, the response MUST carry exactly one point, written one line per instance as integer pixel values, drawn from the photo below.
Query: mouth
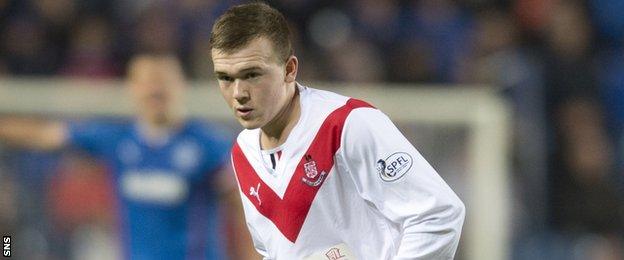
(243, 112)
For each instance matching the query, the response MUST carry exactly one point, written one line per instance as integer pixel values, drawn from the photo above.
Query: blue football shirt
(166, 192)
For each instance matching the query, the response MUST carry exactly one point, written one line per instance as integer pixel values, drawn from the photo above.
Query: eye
(252, 75)
(225, 78)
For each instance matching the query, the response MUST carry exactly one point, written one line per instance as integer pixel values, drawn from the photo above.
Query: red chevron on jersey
(289, 213)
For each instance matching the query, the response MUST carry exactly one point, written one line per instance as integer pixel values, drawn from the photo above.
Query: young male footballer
(322, 176)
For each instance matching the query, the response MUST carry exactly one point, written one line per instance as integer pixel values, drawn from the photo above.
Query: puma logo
(255, 192)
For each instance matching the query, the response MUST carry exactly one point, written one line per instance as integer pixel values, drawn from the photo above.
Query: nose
(241, 93)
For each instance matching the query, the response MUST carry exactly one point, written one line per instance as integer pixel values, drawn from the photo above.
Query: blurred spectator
(498, 60)
(56, 13)
(412, 61)
(83, 176)
(197, 18)
(377, 21)
(7, 8)
(533, 14)
(356, 61)
(607, 15)
(301, 12)
(89, 53)
(612, 95)
(582, 198)
(157, 31)
(442, 27)
(57, 19)
(79, 196)
(24, 44)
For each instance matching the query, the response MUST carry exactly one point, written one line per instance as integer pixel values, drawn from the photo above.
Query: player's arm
(241, 246)
(392, 175)
(32, 133)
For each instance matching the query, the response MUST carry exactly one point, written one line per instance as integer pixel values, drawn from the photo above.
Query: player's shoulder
(333, 108)
(320, 98)
(331, 100)
(363, 114)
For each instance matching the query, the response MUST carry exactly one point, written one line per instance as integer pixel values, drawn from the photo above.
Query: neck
(276, 132)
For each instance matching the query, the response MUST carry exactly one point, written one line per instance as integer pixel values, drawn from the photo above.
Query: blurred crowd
(560, 63)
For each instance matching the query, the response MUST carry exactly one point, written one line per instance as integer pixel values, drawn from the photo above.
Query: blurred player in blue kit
(170, 173)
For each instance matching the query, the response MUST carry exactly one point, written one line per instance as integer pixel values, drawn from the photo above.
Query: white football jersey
(348, 185)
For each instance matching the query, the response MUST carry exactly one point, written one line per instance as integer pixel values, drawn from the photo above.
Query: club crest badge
(310, 167)
(311, 172)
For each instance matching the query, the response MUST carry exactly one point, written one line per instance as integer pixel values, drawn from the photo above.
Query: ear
(292, 65)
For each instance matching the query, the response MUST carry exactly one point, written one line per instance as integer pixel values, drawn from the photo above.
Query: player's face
(156, 87)
(254, 82)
